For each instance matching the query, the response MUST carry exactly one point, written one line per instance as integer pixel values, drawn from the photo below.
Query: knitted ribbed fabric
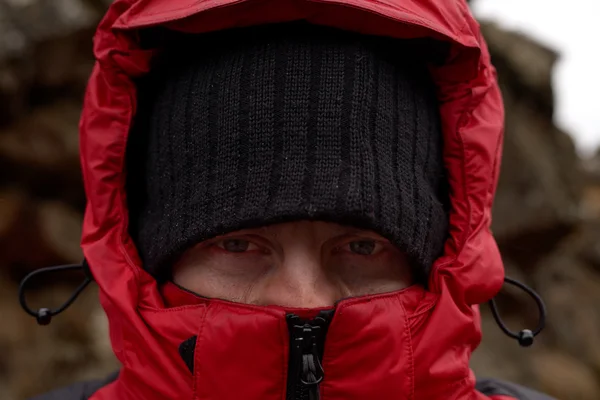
(245, 128)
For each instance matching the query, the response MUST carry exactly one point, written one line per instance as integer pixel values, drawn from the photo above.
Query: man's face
(297, 264)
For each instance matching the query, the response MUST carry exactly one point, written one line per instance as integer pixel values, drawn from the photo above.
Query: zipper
(305, 371)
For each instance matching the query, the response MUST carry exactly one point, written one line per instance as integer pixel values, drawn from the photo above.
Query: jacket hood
(412, 344)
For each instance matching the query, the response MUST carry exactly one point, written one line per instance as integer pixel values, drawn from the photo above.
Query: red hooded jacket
(412, 344)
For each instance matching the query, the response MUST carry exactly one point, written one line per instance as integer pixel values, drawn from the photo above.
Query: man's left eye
(236, 245)
(364, 247)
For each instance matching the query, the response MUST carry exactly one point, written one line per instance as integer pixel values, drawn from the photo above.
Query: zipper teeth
(304, 336)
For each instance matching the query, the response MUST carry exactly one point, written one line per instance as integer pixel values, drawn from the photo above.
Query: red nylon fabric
(412, 344)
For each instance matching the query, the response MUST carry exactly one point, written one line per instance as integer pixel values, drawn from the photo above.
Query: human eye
(236, 245)
(363, 247)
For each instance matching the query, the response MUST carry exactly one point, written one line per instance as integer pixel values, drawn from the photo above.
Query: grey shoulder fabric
(78, 391)
(491, 387)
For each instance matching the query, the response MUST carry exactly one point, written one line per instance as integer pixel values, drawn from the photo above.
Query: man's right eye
(236, 245)
(362, 247)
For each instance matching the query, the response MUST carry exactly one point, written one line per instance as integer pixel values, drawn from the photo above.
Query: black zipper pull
(307, 339)
(312, 371)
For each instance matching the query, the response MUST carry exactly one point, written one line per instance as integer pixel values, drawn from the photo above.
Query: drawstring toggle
(44, 316)
(524, 337)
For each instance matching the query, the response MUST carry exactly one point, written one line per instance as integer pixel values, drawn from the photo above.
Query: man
(282, 210)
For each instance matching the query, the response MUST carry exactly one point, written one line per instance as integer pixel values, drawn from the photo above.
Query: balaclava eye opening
(244, 128)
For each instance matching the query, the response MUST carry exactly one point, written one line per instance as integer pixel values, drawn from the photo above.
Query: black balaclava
(244, 128)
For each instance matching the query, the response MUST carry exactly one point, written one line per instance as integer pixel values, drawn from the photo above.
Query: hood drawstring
(525, 336)
(44, 315)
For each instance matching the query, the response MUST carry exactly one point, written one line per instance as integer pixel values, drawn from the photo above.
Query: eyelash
(379, 247)
(253, 247)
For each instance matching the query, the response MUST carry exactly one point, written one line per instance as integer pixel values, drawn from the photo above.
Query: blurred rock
(570, 290)
(539, 192)
(591, 198)
(10, 207)
(591, 201)
(547, 223)
(592, 168)
(584, 245)
(524, 65)
(565, 377)
(42, 42)
(36, 234)
(41, 152)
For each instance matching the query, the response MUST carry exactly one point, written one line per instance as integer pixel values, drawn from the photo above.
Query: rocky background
(547, 214)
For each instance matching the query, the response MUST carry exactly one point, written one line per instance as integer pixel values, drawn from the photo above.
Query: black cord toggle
(44, 316)
(524, 337)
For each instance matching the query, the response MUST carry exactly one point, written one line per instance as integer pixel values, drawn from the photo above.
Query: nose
(301, 281)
